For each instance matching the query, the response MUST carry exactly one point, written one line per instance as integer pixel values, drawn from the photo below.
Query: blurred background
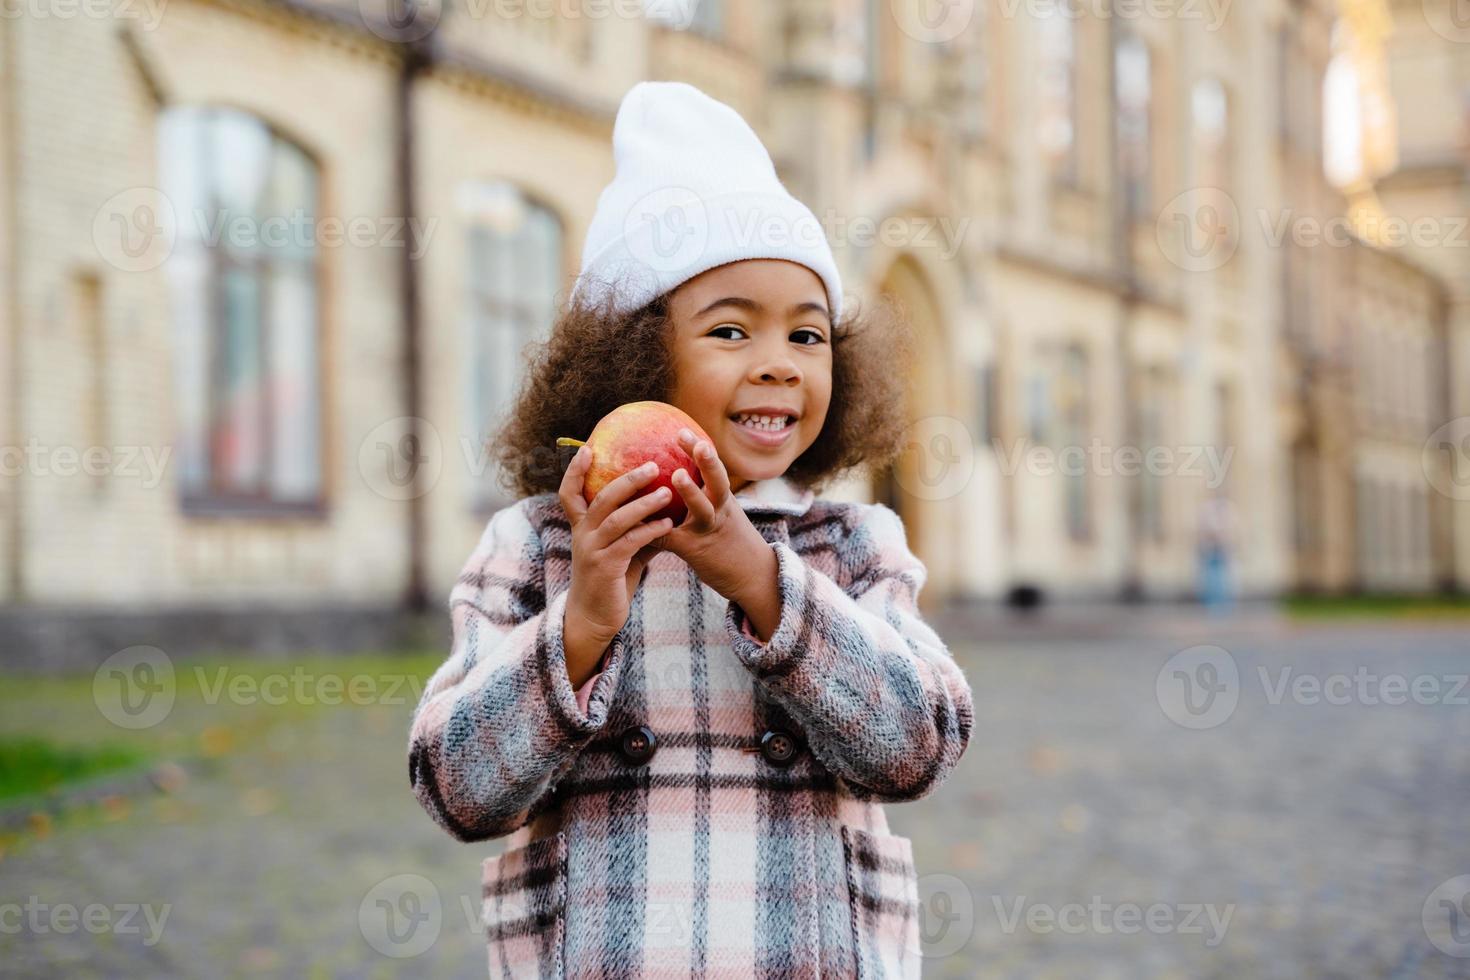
(1189, 463)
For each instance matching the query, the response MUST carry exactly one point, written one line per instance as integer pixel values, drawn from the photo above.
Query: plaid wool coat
(716, 809)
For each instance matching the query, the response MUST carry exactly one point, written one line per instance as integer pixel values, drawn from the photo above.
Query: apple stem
(567, 441)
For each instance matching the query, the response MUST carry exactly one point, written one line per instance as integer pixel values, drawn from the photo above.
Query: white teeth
(773, 423)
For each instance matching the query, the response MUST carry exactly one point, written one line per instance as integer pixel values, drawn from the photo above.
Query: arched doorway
(929, 523)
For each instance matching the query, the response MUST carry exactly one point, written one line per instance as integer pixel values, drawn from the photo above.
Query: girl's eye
(816, 337)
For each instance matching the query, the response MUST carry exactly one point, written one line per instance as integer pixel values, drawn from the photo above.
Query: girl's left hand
(716, 538)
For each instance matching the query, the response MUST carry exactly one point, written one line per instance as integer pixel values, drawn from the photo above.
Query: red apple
(633, 434)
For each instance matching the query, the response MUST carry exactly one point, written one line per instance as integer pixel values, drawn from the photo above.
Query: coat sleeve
(883, 704)
(498, 722)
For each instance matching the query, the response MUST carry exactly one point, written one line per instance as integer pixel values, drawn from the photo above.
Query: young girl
(688, 732)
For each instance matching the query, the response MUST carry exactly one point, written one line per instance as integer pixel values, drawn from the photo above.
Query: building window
(1057, 90)
(513, 279)
(964, 67)
(1072, 411)
(985, 424)
(1153, 414)
(1038, 409)
(243, 280)
(1134, 82)
(1210, 116)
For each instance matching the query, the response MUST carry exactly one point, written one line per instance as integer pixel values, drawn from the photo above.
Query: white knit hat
(694, 189)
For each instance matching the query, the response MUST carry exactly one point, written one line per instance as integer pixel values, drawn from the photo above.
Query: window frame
(218, 497)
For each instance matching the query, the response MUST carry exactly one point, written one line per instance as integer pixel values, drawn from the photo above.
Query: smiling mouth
(765, 423)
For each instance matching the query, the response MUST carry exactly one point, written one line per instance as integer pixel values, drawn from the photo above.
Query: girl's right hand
(610, 546)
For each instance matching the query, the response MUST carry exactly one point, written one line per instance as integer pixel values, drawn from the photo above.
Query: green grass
(53, 734)
(30, 764)
(1378, 606)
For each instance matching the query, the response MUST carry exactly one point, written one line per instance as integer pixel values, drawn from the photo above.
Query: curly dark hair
(596, 359)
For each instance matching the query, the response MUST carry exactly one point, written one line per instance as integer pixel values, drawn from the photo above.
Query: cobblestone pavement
(1089, 832)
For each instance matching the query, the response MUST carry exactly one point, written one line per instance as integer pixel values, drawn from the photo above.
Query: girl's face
(754, 336)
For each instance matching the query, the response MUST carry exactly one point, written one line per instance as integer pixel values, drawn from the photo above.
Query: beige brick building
(246, 243)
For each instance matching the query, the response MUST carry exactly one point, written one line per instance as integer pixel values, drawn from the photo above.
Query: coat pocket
(883, 892)
(525, 905)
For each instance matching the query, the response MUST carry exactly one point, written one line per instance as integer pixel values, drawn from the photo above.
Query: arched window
(243, 279)
(1074, 413)
(1210, 118)
(514, 276)
(1057, 90)
(1133, 74)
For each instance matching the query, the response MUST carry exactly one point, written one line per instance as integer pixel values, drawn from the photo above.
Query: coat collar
(777, 495)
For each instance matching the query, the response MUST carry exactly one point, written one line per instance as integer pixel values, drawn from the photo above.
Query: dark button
(779, 747)
(638, 743)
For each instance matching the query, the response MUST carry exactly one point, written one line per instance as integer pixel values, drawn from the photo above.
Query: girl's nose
(776, 365)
